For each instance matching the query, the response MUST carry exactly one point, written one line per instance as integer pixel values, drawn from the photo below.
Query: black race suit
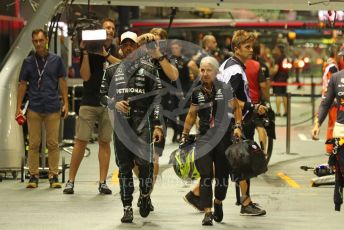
(137, 82)
(335, 90)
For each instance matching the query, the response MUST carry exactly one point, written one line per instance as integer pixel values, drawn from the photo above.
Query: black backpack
(246, 159)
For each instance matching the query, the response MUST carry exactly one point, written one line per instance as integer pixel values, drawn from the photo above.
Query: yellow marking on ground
(115, 177)
(287, 179)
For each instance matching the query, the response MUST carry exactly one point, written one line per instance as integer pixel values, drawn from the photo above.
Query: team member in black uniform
(335, 90)
(183, 84)
(90, 112)
(133, 85)
(168, 74)
(211, 101)
(232, 71)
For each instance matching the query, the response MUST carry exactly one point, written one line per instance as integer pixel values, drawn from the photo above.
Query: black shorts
(280, 90)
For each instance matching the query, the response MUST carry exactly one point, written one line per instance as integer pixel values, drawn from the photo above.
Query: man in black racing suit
(133, 90)
(335, 91)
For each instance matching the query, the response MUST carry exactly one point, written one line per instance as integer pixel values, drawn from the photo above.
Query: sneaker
(54, 182)
(151, 207)
(218, 212)
(208, 219)
(128, 215)
(69, 189)
(104, 189)
(33, 182)
(145, 205)
(251, 210)
(193, 200)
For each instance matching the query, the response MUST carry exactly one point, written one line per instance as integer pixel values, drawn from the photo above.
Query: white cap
(129, 35)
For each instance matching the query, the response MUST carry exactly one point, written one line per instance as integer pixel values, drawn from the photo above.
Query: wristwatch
(161, 58)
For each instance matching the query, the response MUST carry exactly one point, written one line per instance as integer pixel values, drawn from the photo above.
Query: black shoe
(193, 200)
(218, 212)
(151, 207)
(252, 210)
(33, 182)
(145, 205)
(69, 189)
(128, 215)
(104, 189)
(54, 182)
(208, 219)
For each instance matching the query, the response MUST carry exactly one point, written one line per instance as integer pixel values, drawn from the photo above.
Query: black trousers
(126, 159)
(210, 162)
(339, 178)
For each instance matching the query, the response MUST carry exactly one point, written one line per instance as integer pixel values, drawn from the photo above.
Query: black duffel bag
(246, 159)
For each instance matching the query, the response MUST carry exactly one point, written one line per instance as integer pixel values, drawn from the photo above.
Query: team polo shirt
(212, 106)
(43, 93)
(254, 77)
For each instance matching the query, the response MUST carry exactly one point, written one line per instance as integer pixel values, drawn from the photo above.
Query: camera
(152, 45)
(94, 40)
(77, 31)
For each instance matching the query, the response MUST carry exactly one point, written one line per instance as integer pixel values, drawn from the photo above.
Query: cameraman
(156, 46)
(90, 112)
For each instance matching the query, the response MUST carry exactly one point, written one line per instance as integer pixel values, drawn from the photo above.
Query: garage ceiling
(230, 4)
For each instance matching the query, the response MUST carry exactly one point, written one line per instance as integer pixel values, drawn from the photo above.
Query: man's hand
(18, 111)
(315, 131)
(82, 45)
(157, 134)
(65, 110)
(262, 109)
(145, 38)
(122, 106)
(237, 133)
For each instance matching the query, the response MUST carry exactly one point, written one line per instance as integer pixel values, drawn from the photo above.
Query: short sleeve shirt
(212, 106)
(43, 91)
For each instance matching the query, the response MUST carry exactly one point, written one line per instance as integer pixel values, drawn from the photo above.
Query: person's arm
(324, 107)
(265, 91)
(22, 87)
(273, 70)
(170, 70)
(193, 68)
(64, 92)
(237, 112)
(109, 57)
(85, 70)
(263, 79)
(190, 119)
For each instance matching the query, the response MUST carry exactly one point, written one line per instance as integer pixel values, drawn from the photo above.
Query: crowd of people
(138, 81)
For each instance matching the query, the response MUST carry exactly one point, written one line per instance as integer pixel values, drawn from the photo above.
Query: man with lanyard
(45, 74)
(232, 72)
(132, 86)
(90, 112)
